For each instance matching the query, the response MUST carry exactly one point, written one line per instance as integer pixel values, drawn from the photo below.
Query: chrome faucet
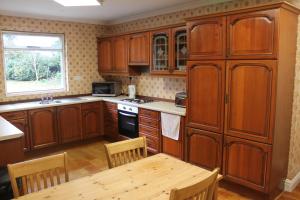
(48, 98)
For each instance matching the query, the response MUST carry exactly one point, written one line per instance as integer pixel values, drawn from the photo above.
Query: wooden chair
(120, 153)
(203, 190)
(38, 174)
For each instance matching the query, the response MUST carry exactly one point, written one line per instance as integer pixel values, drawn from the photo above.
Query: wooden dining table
(150, 178)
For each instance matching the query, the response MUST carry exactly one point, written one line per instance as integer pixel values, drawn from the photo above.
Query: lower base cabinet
(204, 148)
(111, 129)
(91, 119)
(69, 123)
(43, 127)
(247, 163)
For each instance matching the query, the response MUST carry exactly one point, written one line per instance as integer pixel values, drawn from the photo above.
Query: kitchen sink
(58, 101)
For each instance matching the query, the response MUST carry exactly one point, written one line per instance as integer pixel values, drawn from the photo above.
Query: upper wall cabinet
(138, 49)
(252, 34)
(169, 51)
(120, 55)
(206, 38)
(105, 59)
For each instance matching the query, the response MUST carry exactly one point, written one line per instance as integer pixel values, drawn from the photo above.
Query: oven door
(128, 124)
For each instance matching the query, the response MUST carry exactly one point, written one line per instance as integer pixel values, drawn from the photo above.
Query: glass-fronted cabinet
(160, 51)
(180, 50)
(169, 51)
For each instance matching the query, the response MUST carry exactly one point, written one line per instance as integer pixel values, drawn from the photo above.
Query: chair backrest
(38, 174)
(202, 190)
(120, 153)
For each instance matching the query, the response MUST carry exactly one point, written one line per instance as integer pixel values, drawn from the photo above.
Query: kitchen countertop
(160, 106)
(8, 131)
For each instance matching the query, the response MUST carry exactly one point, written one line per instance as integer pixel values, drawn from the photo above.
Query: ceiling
(113, 11)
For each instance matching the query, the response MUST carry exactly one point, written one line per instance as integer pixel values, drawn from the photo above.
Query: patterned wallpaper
(178, 17)
(81, 50)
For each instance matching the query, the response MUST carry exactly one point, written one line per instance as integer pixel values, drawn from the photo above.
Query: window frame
(64, 70)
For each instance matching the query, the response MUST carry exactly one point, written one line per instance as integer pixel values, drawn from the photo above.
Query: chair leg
(215, 195)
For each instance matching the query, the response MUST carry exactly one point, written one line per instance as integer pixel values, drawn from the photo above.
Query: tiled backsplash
(154, 86)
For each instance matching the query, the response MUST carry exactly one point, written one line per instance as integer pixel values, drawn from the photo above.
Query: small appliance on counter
(131, 91)
(106, 89)
(180, 99)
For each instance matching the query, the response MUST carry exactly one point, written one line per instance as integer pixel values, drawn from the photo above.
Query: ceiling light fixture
(69, 3)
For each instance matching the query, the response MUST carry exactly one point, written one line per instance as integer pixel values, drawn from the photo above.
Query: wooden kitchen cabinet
(42, 124)
(138, 49)
(149, 126)
(120, 54)
(69, 123)
(111, 128)
(207, 38)
(175, 147)
(168, 51)
(105, 55)
(253, 35)
(92, 117)
(251, 89)
(19, 119)
(206, 90)
(204, 148)
(247, 162)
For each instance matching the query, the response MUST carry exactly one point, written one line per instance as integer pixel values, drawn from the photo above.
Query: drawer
(149, 114)
(152, 143)
(110, 106)
(149, 130)
(93, 105)
(149, 122)
(14, 115)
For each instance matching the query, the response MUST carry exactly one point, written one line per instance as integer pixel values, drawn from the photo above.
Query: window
(33, 63)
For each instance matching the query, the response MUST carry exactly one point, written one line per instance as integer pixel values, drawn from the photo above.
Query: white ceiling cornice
(180, 7)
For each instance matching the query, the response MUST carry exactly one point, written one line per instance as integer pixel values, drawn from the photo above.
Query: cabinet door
(206, 85)
(179, 53)
(247, 163)
(105, 56)
(91, 120)
(251, 99)
(175, 147)
(69, 123)
(139, 49)
(160, 51)
(43, 128)
(204, 148)
(23, 126)
(120, 54)
(206, 38)
(252, 35)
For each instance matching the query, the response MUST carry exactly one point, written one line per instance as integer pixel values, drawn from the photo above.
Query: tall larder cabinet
(240, 92)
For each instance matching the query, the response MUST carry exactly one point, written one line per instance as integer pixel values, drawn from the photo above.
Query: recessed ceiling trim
(180, 7)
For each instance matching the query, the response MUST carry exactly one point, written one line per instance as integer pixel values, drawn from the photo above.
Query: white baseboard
(290, 185)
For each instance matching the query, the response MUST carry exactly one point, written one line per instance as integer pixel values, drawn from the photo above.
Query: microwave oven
(106, 89)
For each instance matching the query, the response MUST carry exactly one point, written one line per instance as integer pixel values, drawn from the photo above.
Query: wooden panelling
(14, 115)
(204, 148)
(146, 130)
(43, 127)
(206, 85)
(247, 162)
(138, 47)
(11, 151)
(149, 122)
(149, 114)
(110, 115)
(207, 38)
(253, 35)
(69, 123)
(251, 99)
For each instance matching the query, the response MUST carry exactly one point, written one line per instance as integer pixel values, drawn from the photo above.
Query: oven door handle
(128, 115)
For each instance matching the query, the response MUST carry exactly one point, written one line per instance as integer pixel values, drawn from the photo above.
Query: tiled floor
(90, 158)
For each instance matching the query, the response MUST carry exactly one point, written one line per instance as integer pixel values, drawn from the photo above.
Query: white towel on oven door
(170, 125)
